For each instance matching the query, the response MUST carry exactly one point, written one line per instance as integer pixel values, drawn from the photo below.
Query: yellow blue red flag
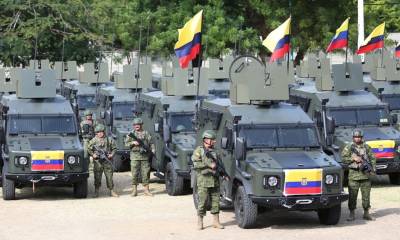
(397, 51)
(189, 40)
(278, 41)
(341, 38)
(374, 41)
(303, 181)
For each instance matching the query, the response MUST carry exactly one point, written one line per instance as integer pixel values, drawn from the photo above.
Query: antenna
(147, 36)
(138, 63)
(36, 37)
(63, 50)
(99, 67)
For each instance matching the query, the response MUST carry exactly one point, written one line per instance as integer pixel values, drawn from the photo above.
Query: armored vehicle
(269, 148)
(82, 93)
(65, 71)
(39, 137)
(168, 116)
(340, 105)
(218, 75)
(117, 108)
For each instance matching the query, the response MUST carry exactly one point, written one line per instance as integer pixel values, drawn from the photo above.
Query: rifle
(143, 147)
(220, 171)
(365, 166)
(102, 155)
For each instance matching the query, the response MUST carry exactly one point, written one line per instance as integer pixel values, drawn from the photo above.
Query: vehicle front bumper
(385, 167)
(306, 202)
(48, 178)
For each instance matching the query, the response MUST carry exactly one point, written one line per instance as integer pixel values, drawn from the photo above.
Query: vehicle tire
(330, 216)
(394, 178)
(119, 165)
(8, 187)
(81, 189)
(245, 210)
(173, 182)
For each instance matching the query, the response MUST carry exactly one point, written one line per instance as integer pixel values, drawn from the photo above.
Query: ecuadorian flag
(303, 182)
(278, 41)
(382, 148)
(397, 51)
(189, 40)
(374, 41)
(341, 38)
(47, 160)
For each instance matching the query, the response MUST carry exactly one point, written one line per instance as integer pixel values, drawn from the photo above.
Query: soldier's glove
(95, 156)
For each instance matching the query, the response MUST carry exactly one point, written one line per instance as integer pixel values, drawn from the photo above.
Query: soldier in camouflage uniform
(207, 183)
(139, 157)
(358, 179)
(108, 145)
(87, 130)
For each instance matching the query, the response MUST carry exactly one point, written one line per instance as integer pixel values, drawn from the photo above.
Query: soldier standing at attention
(139, 155)
(207, 180)
(106, 144)
(87, 130)
(354, 154)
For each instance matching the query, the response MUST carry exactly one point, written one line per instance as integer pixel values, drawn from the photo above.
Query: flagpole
(199, 67)
(382, 48)
(347, 50)
(290, 43)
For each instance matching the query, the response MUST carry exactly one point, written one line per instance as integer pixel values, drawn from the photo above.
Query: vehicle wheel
(119, 164)
(245, 209)
(394, 178)
(173, 182)
(330, 216)
(8, 188)
(81, 189)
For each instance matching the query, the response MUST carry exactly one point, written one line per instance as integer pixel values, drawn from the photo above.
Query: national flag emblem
(47, 160)
(303, 182)
(374, 41)
(397, 51)
(340, 40)
(382, 148)
(278, 41)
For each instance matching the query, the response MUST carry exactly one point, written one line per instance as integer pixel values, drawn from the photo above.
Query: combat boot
(367, 216)
(96, 192)
(134, 191)
(113, 193)
(147, 191)
(352, 216)
(200, 223)
(216, 223)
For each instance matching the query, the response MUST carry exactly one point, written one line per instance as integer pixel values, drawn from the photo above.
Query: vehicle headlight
(71, 160)
(272, 181)
(329, 179)
(22, 160)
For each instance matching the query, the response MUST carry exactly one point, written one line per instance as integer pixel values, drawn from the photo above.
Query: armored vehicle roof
(280, 113)
(176, 103)
(120, 95)
(57, 105)
(389, 87)
(82, 88)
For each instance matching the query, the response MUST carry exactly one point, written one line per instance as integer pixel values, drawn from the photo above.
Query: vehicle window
(41, 124)
(86, 101)
(123, 110)
(181, 122)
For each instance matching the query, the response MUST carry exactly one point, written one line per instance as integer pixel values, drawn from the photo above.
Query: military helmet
(137, 121)
(88, 113)
(358, 133)
(100, 128)
(180, 128)
(210, 134)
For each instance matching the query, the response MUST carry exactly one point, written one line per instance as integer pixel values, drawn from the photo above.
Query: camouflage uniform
(109, 146)
(139, 160)
(87, 131)
(357, 178)
(207, 181)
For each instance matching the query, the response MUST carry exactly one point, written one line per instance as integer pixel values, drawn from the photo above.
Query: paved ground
(53, 214)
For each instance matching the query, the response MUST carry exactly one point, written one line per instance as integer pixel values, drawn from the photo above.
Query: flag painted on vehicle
(189, 40)
(47, 160)
(382, 148)
(397, 51)
(278, 41)
(374, 41)
(303, 182)
(340, 40)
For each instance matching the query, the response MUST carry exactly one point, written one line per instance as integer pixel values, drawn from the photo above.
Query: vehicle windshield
(86, 101)
(351, 117)
(182, 122)
(41, 124)
(393, 101)
(123, 110)
(284, 137)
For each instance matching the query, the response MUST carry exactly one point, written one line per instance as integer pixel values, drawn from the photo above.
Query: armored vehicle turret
(8, 81)
(168, 115)
(218, 75)
(118, 106)
(270, 149)
(39, 137)
(337, 112)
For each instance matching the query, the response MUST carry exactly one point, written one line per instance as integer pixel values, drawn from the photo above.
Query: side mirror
(156, 127)
(224, 142)
(318, 118)
(330, 125)
(108, 118)
(240, 148)
(102, 115)
(166, 133)
(394, 118)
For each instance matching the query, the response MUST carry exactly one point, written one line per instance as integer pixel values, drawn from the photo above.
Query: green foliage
(87, 26)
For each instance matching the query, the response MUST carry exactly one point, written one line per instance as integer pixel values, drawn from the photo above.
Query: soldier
(207, 183)
(139, 155)
(354, 154)
(87, 130)
(107, 145)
